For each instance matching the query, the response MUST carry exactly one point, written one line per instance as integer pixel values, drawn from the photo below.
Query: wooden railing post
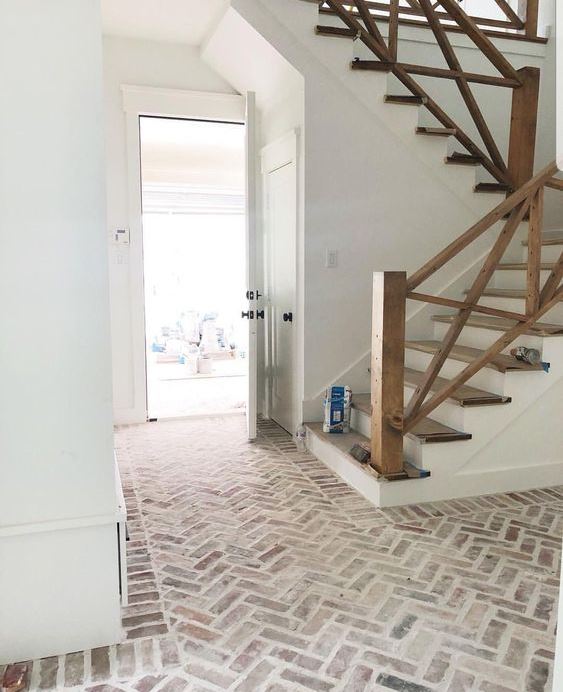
(523, 126)
(529, 11)
(387, 371)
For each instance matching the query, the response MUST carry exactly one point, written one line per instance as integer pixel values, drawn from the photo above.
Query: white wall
(57, 515)
(140, 63)
(369, 194)
(280, 97)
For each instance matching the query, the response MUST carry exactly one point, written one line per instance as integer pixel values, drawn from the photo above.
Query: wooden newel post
(523, 126)
(387, 371)
(529, 9)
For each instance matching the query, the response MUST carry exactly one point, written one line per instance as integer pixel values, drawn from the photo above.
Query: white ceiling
(174, 21)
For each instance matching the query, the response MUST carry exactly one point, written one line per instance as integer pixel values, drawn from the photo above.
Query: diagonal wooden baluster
(486, 46)
(462, 84)
(505, 340)
(465, 239)
(553, 281)
(377, 47)
(533, 273)
(473, 296)
(511, 15)
(370, 24)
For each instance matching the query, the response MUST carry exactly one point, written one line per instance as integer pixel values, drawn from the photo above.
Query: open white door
(251, 274)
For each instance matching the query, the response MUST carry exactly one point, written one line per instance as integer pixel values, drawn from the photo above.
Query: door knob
(248, 315)
(288, 317)
(260, 314)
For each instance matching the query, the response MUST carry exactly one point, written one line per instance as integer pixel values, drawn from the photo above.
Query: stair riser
(555, 316)
(513, 278)
(462, 418)
(477, 337)
(488, 379)
(427, 456)
(361, 423)
(403, 119)
(549, 253)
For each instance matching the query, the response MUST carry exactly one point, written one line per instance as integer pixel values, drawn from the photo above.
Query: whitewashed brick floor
(252, 567)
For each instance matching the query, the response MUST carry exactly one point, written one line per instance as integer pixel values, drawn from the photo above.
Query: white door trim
(138, 101)
(282, 152)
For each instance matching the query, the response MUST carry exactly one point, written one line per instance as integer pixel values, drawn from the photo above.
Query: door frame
(156, 102)
(282, 152)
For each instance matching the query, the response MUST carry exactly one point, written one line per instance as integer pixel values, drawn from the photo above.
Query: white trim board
(183, 104)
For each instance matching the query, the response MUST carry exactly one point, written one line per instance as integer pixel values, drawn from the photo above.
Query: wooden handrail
(439, 72)
(527, 200)
(391, 291)
(360, 17)
(456, 246)
(523, 24)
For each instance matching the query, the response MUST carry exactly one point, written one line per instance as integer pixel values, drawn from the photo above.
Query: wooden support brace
(387, 371)
(530, 10)
(523, 126)
(534, 253)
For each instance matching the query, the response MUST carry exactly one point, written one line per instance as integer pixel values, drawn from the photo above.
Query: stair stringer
(335, 55)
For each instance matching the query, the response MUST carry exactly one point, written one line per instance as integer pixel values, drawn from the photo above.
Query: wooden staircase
(464, 377)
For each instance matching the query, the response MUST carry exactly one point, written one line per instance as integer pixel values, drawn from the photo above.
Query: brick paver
(253, 567)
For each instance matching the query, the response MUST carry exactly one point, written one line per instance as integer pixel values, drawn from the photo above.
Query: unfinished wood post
(387, 371)
(529, 11)
(523, 125)
(534, 253)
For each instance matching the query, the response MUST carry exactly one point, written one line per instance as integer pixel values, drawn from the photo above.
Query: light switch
(331, 259)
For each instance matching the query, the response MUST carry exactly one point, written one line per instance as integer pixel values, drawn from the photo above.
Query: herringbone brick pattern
(252, 567)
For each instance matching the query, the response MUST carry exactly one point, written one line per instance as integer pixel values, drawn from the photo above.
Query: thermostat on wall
(121, 236)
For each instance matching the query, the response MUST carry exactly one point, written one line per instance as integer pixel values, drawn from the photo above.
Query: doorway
(194, 240)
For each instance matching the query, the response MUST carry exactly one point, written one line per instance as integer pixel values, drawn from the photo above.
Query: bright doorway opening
(193, 192)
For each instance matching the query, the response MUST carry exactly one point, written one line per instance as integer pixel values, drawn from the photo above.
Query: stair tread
(467, 354)
(492, 187)
(344, 443)
(548, 240)
(427, 431)
(436, 131)
(327, 30)
(404, 99)
(465, 395)
(463, 159)
(503, 324)
(547, 266)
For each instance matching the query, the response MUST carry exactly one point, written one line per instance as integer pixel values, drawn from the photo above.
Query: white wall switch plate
(121, 236)
(331, 259)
